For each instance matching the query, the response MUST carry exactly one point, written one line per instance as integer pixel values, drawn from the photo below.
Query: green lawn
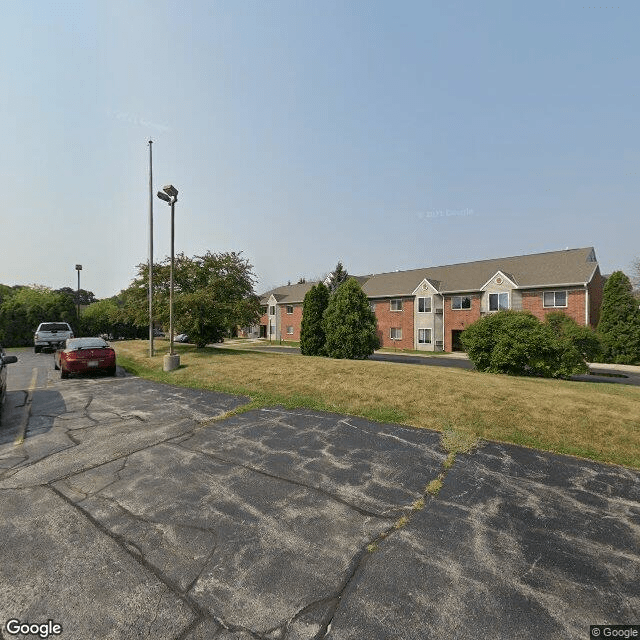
(597, 421)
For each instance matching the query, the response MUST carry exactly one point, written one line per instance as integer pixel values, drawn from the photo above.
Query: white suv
(51, 335)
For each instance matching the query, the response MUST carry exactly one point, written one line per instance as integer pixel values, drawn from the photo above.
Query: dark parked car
(82, 355)
(4, 361)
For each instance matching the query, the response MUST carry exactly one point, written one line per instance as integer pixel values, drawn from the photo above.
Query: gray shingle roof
(568, 267)
(571, 266)
(288, 294)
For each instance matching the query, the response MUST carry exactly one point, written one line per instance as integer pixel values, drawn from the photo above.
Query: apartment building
(427, 309)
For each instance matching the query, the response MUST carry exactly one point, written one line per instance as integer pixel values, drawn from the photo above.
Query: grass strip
(596, 421)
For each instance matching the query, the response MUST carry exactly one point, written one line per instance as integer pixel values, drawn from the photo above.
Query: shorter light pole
(78, 269)
(170, 195)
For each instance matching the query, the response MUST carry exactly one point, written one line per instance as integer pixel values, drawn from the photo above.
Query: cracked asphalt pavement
(131, 509)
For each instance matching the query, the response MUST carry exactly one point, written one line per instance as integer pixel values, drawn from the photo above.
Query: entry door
(456, 344)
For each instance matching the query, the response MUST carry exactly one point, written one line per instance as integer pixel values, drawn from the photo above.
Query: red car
(81, 355)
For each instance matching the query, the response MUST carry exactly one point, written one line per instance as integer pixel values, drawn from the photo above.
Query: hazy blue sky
(385, 134)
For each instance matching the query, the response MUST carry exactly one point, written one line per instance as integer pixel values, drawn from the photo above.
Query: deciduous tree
(213, 293)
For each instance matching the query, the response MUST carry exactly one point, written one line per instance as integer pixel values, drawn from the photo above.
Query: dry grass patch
(598, 421)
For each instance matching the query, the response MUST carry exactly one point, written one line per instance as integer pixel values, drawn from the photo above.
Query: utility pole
(150, 251)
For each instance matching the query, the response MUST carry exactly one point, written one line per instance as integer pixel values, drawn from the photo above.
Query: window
(272, 329)
(373, 306)
(461, 302)
(554, 299)
(289, 309)
(272, 310)
(498, 301)
(396, 304)
(424, 336)
(424, 305)
(396, 333)
(290, 330)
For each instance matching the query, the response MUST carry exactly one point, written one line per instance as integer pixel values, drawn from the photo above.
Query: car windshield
(54, 326)
(75, 344)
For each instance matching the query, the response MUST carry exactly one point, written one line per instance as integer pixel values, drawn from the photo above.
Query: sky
(386, 134)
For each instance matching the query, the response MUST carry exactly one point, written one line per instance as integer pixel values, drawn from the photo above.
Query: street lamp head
(170, 190)
(78, 267)
(164, 196)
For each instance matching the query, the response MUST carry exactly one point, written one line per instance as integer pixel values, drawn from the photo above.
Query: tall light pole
(150, 252)
(78, 269)
(170, 194)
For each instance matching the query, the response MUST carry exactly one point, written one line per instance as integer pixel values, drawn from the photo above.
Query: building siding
(401, 319)
(459, 319)
(533, 301)
(291, 319)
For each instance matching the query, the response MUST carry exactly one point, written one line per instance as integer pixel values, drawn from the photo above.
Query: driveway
(132, 509)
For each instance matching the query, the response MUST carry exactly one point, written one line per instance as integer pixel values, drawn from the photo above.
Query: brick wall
(291, 319)
(459, 319)
(532, 301)
(399, 319)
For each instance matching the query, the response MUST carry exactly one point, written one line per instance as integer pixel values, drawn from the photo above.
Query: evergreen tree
(337, 277)
(349, 323)
(312, 337)
(619, 325)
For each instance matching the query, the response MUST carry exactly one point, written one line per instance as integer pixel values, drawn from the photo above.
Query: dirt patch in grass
(597, 421)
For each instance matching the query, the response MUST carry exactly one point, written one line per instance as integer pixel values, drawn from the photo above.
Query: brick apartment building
(427, 309)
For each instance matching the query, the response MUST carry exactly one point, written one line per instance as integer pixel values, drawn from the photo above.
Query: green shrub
(517, 343)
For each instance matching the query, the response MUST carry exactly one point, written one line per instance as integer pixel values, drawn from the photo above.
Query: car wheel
(36, 349)
(64, 374)
(111, 371)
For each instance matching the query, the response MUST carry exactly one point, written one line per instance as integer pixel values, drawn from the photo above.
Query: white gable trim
(496, 275)
(421, 288)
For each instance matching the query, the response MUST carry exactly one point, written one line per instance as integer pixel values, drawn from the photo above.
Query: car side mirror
(9, 359)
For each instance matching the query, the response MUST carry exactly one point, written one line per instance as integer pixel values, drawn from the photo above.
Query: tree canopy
(22, 312)
(213, 293)
(337, 277)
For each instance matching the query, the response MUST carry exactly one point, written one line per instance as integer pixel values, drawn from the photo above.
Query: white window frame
(290, 330)
(554, 305)
(398, 333)
(460, 298)
(397, 302)
(289, 306)
(427, 336)
(499, 308)
(425, 298)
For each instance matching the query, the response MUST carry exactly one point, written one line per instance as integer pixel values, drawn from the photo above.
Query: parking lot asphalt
(132, 509)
